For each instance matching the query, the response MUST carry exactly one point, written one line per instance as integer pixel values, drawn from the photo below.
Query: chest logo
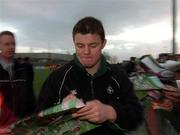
(110, 90)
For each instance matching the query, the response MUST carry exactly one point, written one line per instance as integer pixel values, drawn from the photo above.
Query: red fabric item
(1, 101)
(6, 115)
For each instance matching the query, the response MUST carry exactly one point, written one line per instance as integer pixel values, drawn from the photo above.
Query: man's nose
(87, 50)
(11, 46)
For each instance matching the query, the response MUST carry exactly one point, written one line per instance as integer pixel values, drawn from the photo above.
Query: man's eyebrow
(93, 43)
(79, 43)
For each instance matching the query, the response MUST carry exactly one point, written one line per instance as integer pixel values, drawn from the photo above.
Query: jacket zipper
(11, 78)
(92, 88)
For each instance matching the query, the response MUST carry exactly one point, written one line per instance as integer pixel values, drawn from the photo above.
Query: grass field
(39, 77)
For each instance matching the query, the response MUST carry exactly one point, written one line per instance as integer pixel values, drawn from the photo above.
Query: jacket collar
(102, 69)
(5, 65)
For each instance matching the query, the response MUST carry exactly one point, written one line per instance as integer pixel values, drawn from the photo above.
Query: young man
(14, 88)
(105, 89)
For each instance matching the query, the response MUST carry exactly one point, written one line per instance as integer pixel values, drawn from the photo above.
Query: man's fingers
(172, 95)
(87, 117)
(83, 113)
(170, 88)
(173, 98)
(175, 94)
(91, 118)
(166, 105)
(86, 108)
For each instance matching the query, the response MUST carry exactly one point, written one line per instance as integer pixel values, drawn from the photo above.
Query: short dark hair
(26, 58)
(7, 33)
(89, 25)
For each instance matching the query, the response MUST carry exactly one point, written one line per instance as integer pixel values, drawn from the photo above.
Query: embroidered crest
(110, 90)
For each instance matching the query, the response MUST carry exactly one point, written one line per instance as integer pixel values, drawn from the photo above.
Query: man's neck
(5, 60)
(93, 69)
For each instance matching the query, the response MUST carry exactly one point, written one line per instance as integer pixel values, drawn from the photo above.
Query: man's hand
(96, 112)
(172, 93)
(166, 104)
(68, 97)
(5, 131)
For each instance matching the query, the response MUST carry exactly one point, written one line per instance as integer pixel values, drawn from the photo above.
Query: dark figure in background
(163, 57)
(29, 68)
(19, 60)
(106, 89)
(30, 78)
(14, 88)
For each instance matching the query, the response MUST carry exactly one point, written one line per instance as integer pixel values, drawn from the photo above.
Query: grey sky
(129, 24)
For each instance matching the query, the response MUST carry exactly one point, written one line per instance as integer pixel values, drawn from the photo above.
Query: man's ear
(104, 43)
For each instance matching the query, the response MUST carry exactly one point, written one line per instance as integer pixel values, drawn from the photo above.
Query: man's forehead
(6, 37)
(87, 36)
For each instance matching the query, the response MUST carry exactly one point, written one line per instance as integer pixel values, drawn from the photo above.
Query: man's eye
(93, 45)
(80, 46)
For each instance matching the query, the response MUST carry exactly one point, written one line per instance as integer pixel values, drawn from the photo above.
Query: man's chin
(88, 65)
(9, 57)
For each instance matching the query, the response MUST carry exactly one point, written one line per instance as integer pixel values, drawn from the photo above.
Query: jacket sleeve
(128, 108)
(48, 94)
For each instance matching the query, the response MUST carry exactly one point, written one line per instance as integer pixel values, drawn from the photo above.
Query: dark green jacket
(110, 85)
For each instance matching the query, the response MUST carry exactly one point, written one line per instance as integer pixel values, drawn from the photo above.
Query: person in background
(105, 89)
(13, 85)
(163, 57)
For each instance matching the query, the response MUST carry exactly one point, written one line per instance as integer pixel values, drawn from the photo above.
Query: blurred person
(19, 60)
(13, 85)
(169, 104)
